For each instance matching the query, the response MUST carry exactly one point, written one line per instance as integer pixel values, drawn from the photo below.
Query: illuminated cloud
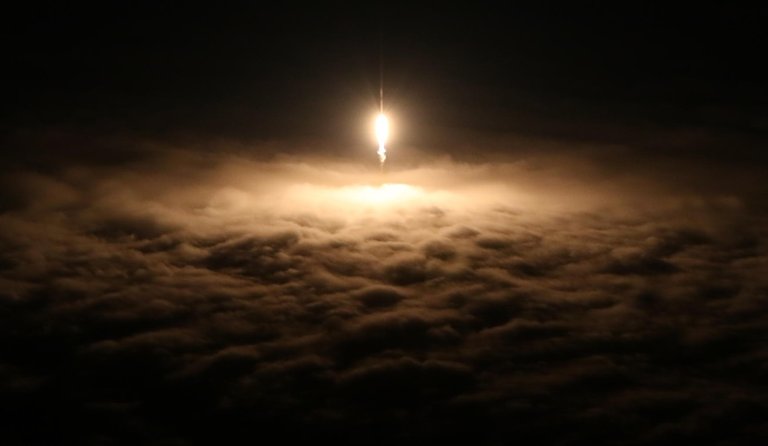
(182, 299)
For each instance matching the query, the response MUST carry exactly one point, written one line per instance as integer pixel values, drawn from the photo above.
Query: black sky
(618, 74)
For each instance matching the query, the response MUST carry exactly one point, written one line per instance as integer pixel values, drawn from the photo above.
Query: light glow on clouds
(242, 284)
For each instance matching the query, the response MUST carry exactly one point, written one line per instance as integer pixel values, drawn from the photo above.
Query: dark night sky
(569, 245)
(614, 74)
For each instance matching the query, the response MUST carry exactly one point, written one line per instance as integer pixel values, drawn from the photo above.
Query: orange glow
(382, 134)
(385, 193)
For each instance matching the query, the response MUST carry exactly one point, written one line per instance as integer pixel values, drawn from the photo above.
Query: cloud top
(180, 300)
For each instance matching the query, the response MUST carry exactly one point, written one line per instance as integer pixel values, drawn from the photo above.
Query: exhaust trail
(382, 123)
(382, 133)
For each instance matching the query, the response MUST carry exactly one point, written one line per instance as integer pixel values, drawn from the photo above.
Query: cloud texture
(188, 299)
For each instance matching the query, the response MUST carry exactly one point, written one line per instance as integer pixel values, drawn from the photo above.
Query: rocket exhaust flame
(382, 133)
(382, 123)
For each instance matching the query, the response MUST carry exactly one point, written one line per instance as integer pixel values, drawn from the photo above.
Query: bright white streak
(382, 133)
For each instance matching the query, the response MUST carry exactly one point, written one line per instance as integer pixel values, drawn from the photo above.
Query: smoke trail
(382, 124)
(382, 156)
(382, 133)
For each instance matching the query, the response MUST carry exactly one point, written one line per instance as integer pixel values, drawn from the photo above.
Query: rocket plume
(382, 133)
(382, 123)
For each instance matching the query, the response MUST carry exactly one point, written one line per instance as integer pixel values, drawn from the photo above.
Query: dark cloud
(185, 299)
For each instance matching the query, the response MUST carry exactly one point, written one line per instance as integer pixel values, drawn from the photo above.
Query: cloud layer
(186, 299)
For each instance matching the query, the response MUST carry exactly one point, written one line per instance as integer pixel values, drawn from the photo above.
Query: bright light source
(382, 134)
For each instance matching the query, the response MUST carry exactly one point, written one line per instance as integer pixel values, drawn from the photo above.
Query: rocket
(382, 123)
